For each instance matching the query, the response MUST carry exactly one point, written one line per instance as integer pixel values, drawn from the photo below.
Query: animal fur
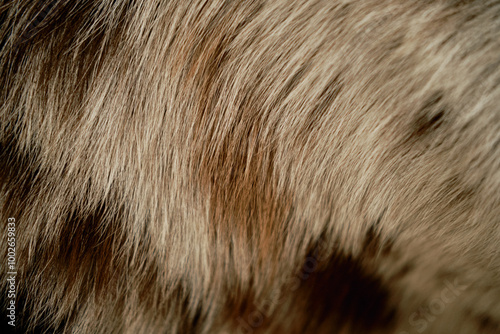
(252, 166)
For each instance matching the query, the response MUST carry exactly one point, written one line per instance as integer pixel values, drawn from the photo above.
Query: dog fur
(252, 166)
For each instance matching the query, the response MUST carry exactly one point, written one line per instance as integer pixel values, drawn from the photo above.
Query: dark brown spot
(347, 295)
(403, 271)
(372, 242)
(487, 323)
(430, 116)
(387, 247)
(395, 43)
(19, 176)
(42, 12)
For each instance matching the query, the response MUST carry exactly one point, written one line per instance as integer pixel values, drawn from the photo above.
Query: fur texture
(252, 166)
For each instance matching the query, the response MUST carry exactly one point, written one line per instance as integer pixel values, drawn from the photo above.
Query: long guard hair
(260, 166)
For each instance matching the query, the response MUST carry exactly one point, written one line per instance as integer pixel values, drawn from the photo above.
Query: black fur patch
(346, 293)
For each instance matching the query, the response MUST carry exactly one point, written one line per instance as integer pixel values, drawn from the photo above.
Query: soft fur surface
(252, 166)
